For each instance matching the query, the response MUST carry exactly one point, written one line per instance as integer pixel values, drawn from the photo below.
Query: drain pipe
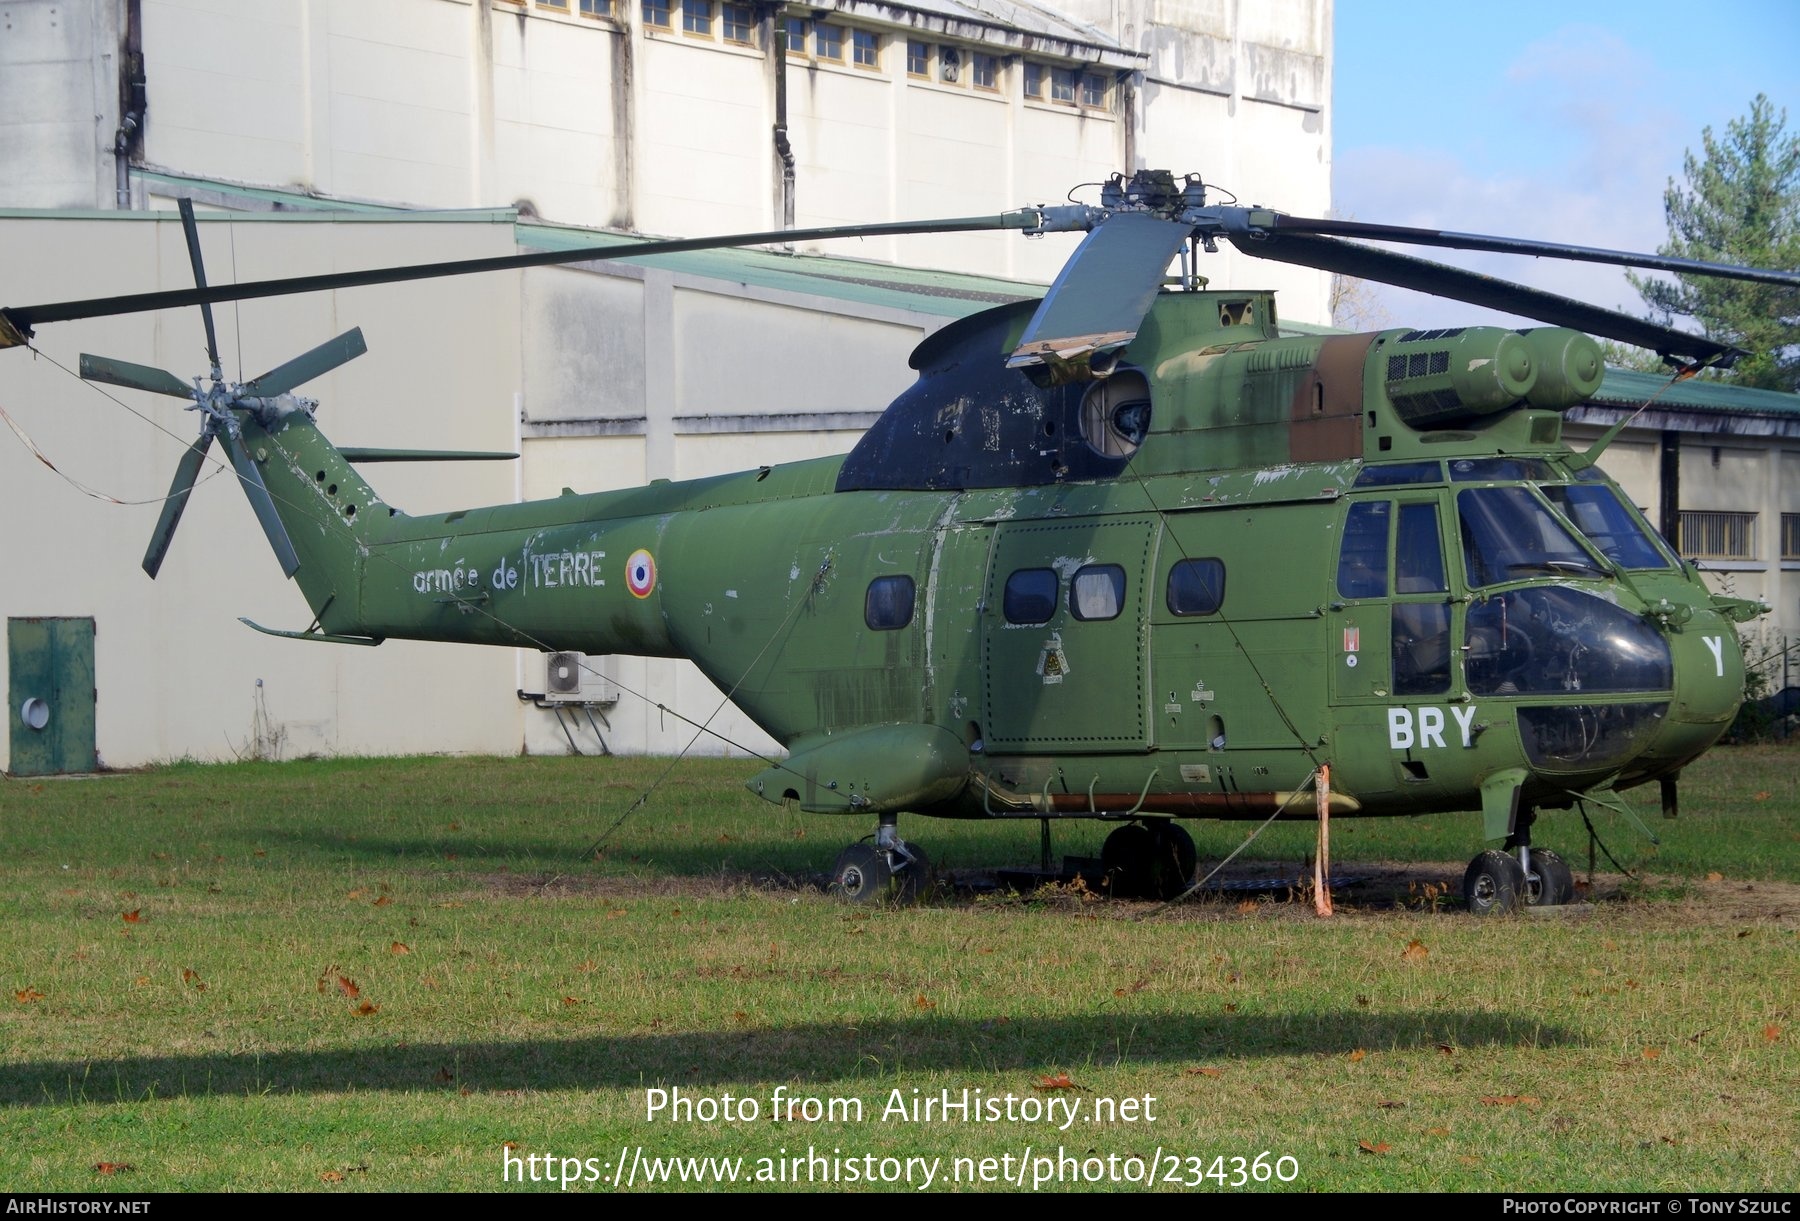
(133, 102)
(783, 149)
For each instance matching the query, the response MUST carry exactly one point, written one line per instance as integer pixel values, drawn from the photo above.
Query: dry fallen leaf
(1246, 906)
(1059, 1082)
(444, 1074)
(191, 977)
(365, 1009)
(399, 947)
(28, 994)
(1415, 951)
(358, 893)
(1437, 1131)
(921, 1001)
(1390, 1104)
(1771, 1032)
(113, 1167)
(1715, 876)
(331, 1176)
(134, 916)
(1206, 1072)
(1370, 1147)
(383, 901)
(1357, 1055)
(348, 987)
(1651, 1053)
(572, 1000)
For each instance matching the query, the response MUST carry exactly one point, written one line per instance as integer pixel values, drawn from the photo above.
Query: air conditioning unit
(562, 675)
(572, 678)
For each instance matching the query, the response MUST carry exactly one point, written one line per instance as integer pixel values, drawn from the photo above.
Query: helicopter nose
(1709, 687)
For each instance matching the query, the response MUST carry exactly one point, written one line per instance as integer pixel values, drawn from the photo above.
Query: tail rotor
(219, 403)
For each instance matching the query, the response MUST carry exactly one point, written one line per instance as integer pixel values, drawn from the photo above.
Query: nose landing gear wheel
(861, 875)
(1494, 883)
(1551, 883)
(865, 873)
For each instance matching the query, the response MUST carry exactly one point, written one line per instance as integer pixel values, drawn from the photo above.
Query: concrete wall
(176, 671)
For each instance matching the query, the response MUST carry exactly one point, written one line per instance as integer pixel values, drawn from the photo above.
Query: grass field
(399, 974)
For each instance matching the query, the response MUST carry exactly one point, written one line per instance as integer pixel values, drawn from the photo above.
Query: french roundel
(640, 573)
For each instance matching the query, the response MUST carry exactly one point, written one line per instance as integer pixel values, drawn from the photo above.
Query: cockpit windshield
(1617, 532)
(1510, 535)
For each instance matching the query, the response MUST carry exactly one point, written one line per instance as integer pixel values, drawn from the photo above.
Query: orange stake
(1322, 860)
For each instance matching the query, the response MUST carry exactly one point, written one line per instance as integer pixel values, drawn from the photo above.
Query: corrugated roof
(943, 293)
(1625, 388)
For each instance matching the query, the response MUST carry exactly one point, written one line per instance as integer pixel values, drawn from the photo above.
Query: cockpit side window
(1362, 564)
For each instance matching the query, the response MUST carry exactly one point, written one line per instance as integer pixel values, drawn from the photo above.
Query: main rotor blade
(1509, 245)
(192, 231)
(1103, 292)
(186, 472)
(1404, 271)
(264, 504)
(308, 365)
(137, 377)
(27, 317)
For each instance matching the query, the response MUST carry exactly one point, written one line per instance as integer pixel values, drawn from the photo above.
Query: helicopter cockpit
(1544, 556)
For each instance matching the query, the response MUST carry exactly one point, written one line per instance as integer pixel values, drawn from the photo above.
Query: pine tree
(1741, 205)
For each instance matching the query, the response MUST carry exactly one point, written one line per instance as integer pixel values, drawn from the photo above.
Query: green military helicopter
(1129, 553)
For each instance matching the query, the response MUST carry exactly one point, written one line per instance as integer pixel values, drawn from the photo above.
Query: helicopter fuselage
(1167, 586)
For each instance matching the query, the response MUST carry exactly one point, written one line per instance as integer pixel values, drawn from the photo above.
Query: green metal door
(50, 695)
(1064, 636)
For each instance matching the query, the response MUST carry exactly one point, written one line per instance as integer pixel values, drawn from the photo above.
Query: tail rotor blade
(185, 474)
(263, 503)
(308, 365)
(192, 231)
(137, 377)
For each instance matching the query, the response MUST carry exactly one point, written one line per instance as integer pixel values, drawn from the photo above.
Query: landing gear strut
(1154, 861)
(890, 870)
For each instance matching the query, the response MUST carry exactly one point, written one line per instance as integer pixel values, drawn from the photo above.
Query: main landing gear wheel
(1494, 883)
(865, 873)
(1550, 882)
(1148, 863)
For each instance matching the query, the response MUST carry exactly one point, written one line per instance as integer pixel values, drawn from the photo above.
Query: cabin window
(888, 606)
(1030, 595)
(1097, 592)
(1196, 587)
(1421, 648)
(1362, 564)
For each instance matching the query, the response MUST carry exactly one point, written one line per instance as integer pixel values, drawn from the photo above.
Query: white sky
(1560, 121)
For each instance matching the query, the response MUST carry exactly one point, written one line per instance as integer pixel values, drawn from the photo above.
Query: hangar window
(697, 17)
(888, 606)
(656, 14)
(918, 58)
(984, 71)
(1030, 595)
(828, 42)
(740, 24)
(1196, 587)
(1097, 592)
(865, 48)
